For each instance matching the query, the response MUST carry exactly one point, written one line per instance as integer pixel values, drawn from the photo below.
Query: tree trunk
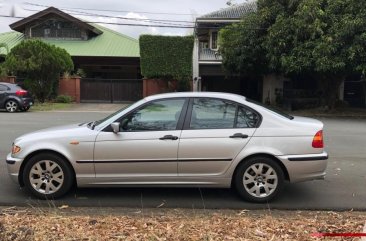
(330, 88)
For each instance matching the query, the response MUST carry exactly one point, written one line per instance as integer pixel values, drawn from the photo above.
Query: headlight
(15, 149)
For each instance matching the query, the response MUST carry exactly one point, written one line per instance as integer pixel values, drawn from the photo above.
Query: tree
(41, 64)
(4, 46)
(3, 71)
(321, 38)
(325, 38)
(243, 46)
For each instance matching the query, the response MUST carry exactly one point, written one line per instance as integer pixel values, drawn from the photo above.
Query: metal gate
(110, 90)
(355, 93)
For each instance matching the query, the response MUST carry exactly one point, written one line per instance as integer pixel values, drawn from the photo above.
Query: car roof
(221, 95)
(8, 84)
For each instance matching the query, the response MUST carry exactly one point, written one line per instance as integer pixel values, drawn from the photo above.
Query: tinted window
(212, 114)
(155, 116)
(3, 88)
(246, 118)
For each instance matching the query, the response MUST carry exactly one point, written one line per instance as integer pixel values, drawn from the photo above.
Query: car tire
(47, 176)
(258, 179)
(11, 106)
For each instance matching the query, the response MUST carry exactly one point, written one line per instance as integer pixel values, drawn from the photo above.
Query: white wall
(270, 84)
(195, 67)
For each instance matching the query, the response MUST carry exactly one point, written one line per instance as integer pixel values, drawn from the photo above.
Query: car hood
(75, 131)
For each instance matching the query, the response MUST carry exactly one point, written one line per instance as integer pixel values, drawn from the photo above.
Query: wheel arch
(12, 97)
(43, 151)
(282, 166)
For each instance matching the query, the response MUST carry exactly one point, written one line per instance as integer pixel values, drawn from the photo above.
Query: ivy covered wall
(166, 57)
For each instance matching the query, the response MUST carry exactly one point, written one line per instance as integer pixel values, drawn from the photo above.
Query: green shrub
(166, 57)
(63, 99)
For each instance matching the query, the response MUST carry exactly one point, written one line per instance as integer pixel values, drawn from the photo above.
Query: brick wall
(71, 87)
(8, 79)
(158, 86)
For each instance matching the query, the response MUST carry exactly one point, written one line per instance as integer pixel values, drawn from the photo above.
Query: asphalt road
(343, 189)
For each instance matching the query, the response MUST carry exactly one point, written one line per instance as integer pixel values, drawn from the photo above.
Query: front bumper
(13, 165)
(305, 167)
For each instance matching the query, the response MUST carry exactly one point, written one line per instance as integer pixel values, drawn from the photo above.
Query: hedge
(166, 57)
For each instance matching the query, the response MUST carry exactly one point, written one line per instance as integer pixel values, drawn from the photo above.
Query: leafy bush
(166, 57)
(41, 64)
(63, 99)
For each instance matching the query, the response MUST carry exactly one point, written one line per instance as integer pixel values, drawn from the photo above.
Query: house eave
(217, 20)
(19, 25)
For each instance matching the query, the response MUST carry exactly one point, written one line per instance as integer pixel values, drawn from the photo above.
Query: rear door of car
(214, 132)
(3, 94)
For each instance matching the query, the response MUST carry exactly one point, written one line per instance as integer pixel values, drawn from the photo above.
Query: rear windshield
(270, 108)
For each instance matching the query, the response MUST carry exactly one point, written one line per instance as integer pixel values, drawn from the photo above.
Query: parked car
(192, 139)
(14, 98)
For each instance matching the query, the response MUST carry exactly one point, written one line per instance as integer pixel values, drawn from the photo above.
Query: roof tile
(233, 12)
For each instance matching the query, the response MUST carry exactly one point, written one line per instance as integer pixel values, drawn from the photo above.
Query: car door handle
(169, 137)
(239, 135)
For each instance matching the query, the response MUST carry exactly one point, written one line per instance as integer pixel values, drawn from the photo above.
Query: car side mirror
(115, 127)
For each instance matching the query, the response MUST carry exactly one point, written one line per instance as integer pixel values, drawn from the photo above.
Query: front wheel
(258, 179)
(47, 176)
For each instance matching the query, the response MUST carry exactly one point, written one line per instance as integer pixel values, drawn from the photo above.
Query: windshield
(271, 108)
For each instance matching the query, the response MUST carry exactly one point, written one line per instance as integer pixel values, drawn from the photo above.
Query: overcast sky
(146, 10)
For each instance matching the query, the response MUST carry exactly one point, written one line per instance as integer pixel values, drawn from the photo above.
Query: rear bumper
(305, 167)
(26, 102)
(13, 165)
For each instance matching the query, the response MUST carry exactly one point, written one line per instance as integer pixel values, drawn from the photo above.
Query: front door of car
(215, 131)
(145, 149)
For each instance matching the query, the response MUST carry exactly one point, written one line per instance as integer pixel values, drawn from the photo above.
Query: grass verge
(49, 106)
(174, 224)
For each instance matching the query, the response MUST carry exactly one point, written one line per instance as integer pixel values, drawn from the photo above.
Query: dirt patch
(66, 223)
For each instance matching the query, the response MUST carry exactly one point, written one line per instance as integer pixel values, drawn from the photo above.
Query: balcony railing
(209, 55)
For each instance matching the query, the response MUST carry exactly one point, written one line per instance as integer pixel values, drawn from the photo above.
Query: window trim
(179, 123)
(187, 120)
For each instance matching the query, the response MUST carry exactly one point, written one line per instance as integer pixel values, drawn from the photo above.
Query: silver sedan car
(192, 139)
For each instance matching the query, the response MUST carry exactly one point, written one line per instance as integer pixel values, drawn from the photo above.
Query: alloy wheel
(11, 106)
(46, 177)
(260, 180)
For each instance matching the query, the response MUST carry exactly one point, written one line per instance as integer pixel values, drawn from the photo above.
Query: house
(208, 74)
(110, 60)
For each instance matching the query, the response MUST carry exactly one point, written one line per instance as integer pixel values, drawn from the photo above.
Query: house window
(203, 45)
(54, 28)
(47, 32)
(214, 37)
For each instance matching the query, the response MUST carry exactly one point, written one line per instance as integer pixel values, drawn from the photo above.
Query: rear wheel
(259, 179)
(11, 106)
(47, 176)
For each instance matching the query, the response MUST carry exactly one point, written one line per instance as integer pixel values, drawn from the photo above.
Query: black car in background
(14, 98)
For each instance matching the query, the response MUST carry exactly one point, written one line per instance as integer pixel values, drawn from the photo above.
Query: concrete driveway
(343, 188)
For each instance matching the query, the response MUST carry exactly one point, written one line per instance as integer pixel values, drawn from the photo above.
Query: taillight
(318, 140)
(21, 93)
